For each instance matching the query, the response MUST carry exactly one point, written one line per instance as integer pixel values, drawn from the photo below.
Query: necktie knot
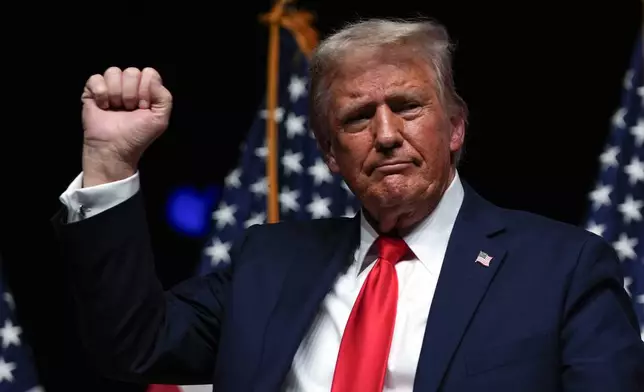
(391, 249)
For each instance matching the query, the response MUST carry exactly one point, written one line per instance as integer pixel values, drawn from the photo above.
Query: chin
(400, 196)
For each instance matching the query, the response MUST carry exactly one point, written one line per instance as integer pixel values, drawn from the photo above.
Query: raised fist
(123, 113)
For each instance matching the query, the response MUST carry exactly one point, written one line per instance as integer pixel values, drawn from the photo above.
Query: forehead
(374, 77)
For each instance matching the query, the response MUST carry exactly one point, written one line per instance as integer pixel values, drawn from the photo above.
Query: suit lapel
(308, 281)
(461, 286)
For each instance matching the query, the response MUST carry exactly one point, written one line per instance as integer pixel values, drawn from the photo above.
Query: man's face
(391, 138)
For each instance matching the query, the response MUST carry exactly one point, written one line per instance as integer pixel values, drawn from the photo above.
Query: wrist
(102, 167)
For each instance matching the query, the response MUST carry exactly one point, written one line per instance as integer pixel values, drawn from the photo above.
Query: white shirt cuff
(83, 203)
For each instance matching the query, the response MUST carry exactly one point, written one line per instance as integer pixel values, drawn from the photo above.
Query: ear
(330, 160)
(328, 154)
(457, 136)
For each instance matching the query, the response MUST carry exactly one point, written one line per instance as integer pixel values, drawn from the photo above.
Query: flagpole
(298, 23)
(272, 69)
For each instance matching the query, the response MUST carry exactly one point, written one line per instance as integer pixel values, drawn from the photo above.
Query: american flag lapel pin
(483, 259)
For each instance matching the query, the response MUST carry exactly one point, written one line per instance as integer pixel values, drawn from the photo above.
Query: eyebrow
(409, 94)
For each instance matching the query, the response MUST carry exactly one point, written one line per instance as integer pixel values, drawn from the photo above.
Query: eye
(359, 115)
(355, 119)
(401, 107)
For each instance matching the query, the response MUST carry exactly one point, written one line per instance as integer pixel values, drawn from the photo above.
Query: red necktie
(364, 350)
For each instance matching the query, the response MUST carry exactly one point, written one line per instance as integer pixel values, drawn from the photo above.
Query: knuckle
(96, 83)
(151, 73)
(96, 78)
(112, 78)
(131, 71)
(112, 71)
(99, 90)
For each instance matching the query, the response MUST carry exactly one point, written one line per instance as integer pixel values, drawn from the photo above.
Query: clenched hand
(123, 113)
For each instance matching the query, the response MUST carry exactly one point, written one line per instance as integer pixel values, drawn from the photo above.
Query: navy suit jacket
(548, 314)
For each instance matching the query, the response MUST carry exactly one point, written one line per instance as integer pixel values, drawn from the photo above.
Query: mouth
(393, 167)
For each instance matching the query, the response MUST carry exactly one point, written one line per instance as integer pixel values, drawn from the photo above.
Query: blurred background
(542, 81)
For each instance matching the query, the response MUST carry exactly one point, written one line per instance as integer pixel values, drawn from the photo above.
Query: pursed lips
(393, 166)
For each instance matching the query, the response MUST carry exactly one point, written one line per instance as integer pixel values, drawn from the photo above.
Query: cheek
(352, 149)
(431, 144)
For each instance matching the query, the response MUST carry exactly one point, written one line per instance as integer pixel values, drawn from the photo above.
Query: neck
(399, 220)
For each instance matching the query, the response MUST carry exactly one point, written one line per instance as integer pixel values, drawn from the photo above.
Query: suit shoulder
(542, 230)
(298, 229)
(291, 239)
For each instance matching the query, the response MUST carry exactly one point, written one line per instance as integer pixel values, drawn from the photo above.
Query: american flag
(307, 189)
(618, 198)
(17, 369)
(484, 259)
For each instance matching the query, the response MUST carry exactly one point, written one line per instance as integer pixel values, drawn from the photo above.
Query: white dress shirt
(314, 362)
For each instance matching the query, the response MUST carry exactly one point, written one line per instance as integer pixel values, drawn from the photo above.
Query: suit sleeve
(132, 329)
(601, 345)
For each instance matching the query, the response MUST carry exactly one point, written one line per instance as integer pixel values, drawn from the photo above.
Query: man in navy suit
(428, 288)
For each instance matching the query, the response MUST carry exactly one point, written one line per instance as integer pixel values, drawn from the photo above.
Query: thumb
(90, 106)
(89, 100)
(160, 98)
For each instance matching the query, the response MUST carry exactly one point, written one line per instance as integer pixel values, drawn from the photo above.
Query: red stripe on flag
(163, 388)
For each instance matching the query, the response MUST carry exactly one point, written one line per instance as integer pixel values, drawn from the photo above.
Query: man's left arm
(601, 345)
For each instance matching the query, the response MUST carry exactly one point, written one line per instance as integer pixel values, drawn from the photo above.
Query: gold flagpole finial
(274, 16)
(298, 22)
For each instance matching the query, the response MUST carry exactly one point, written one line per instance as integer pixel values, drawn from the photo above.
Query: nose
(387, 128)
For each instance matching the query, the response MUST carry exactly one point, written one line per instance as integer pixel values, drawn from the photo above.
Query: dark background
(542, 80)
